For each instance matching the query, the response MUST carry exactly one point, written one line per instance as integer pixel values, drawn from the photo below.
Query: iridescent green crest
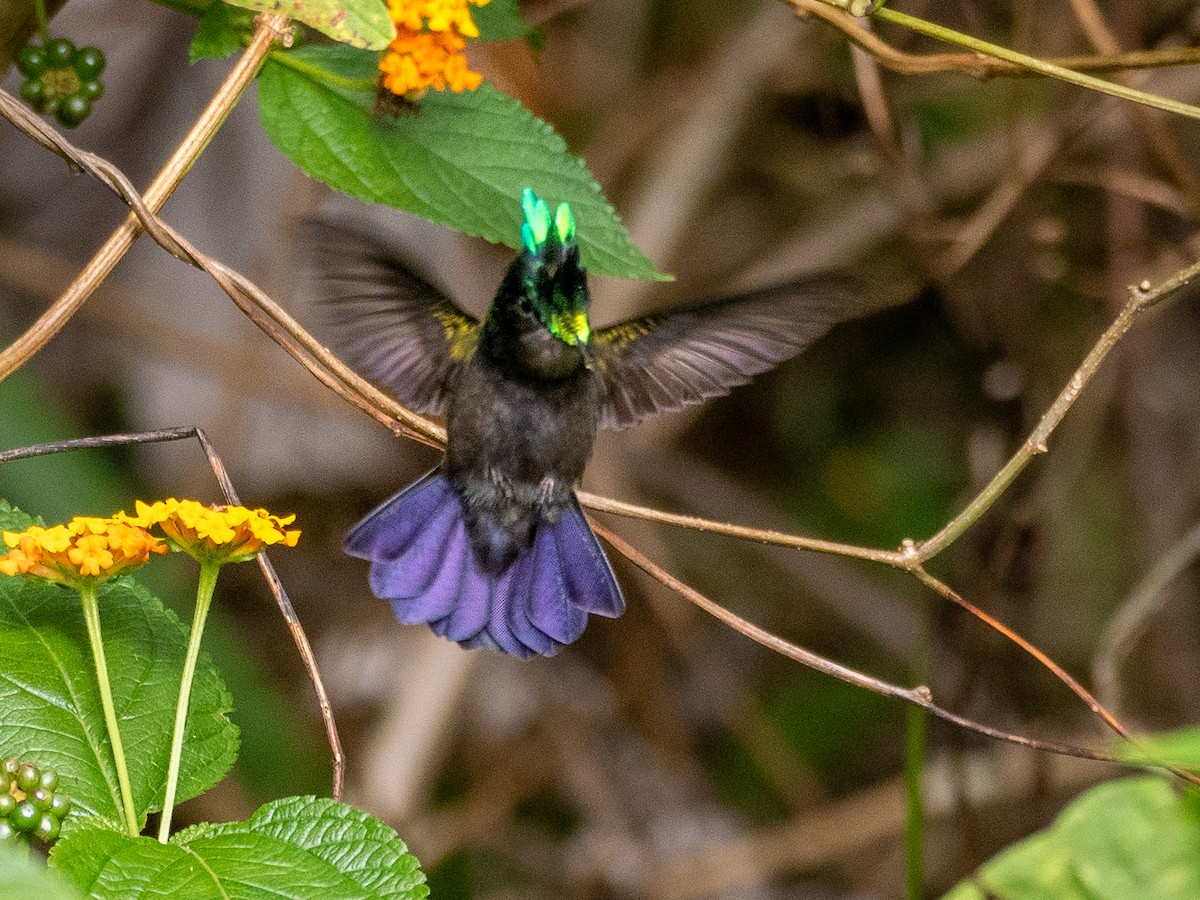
(535, 230)
(556, 279)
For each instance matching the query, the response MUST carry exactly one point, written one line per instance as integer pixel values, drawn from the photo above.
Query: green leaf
(359, 23)
(299, 847)
(459, 159)
(501, 20)
(1135, 837)
(222, 30)
(50, 708)
(23, 877)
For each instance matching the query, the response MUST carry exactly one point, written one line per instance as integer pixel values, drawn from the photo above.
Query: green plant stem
(39, 10)
(91, 617)
(204, 595)
(914, 767)
(1033, 64)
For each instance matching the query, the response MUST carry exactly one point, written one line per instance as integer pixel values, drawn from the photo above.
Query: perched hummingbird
(491, 548)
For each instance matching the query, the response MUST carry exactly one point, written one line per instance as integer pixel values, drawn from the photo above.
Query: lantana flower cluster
(214, 533)
(90, 549)
(86, 548)
(427, 51)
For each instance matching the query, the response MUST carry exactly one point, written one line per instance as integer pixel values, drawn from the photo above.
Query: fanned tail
(423, 562)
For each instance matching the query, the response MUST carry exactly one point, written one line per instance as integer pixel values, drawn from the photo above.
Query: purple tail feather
(423, 562)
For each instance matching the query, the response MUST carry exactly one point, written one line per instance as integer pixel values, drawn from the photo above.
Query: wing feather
(662, 363)
(387, 321)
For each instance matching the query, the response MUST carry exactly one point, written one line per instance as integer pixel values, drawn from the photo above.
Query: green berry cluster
(61, 80)
(29, 804)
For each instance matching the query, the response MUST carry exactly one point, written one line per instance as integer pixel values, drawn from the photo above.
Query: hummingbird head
(538, 321)
(553, 280)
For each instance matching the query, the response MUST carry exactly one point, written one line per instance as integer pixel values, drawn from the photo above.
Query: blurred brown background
(663, 756)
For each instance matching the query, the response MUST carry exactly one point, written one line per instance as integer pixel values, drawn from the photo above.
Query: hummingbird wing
(662, 363)
(387, 321)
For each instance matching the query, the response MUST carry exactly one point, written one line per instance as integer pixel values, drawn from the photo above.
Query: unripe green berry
(49, 779)
(7, 804)
(33, 92)
(9, 766)
(42, 798)
(89, 62)
(93, 89)
(60, 805)
(73, 109)
(59, 53)
(26, 816)
(28, 777)
(47, 828)
(31, 61)
(6, 830)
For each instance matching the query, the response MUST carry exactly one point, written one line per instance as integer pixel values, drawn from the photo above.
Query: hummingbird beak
(589, 356)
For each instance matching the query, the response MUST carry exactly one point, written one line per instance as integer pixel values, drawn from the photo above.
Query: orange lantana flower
(427, 51)
(214, 534)
(86, 549)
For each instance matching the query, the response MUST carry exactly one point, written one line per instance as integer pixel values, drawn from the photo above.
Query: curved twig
(920, 695)
(269, 29)
(981, 66)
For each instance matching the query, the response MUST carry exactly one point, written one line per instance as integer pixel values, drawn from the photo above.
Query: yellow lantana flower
(86, 549)
(427, 51)
(214, 534)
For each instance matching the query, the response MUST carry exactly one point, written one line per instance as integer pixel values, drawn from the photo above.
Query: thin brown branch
(981, 66)
(920, 695)
(1152, 127)
(1141, 297)
(231, 496)
(270, 29)
(1037, 152)
(1135, 185)
(896, 558)
(1144, 601)
(1044, 659)
(251, 299)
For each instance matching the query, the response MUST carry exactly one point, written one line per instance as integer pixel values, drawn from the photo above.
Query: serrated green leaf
(50, 708)
(222, 30)
(1134, 837)
(24, 878)
(359, 23)
(460, 159)
(357, 844)
(298, 848)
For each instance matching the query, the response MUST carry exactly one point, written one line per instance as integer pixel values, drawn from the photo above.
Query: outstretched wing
(385, 320)
(663, 363)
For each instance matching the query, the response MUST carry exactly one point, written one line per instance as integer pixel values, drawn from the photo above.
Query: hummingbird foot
(547, 492)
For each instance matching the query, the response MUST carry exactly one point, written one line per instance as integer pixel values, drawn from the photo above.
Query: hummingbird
(491, 548)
